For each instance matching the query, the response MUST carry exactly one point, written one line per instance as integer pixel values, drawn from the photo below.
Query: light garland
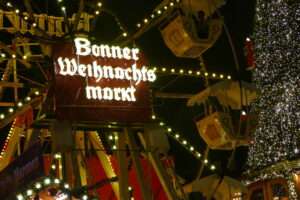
(27, 100)
(41, 185)
(184, 143)
(189, 72)
(276, 75)
(3, 150)
(156, 14)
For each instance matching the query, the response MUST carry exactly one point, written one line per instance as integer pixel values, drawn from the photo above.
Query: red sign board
(101, 83)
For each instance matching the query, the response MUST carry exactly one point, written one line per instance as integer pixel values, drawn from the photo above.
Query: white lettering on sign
(84, 48)
(70, 67)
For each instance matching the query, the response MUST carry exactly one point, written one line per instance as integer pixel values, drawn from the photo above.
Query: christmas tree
(277, 77)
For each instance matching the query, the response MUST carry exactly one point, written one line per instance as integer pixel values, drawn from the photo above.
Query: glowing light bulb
(212, 167)
(20, 197)
(47, 181)
(38, 185)
(29, 192)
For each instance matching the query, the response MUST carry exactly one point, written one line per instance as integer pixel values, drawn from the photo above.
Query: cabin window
(279, 192)
(257, 194)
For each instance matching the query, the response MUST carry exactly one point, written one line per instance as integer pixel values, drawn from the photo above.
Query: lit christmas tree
(277, 76)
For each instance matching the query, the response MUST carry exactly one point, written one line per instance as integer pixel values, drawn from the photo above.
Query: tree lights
(277, 40)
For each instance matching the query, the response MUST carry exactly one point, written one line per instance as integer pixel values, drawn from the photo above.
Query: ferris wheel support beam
(158, 167)
(104, 161)
(79, 144)
(123, 167)
(33, 103)
(138, 167)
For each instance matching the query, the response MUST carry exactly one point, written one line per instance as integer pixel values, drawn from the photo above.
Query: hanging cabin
(191, 30)
(224, 125)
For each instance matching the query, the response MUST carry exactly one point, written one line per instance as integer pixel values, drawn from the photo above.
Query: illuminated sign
(100, 82)
(73, 67)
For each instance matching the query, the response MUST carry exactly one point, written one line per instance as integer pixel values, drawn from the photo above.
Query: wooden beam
(159, 168)
(164, 95)
(33, 103)
(122, 169)
(79, 144)
(104, 160)
(137, 165)
(11, 84)
(7, 104)
(11, 146)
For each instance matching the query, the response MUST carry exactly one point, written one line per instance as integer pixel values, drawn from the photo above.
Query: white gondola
(219, 127)
(191, 31)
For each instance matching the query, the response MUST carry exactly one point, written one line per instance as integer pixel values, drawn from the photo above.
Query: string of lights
(184, 143)
(11, 131)
(276, 75)
(157, 13)
(189, 72)
(44, 183)
(19, 105)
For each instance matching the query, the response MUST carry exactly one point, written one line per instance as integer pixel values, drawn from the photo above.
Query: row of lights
(174, 71)
(38, 186)
(178, 137)
(48, 181)
(13, 56)
(157, 13)
(24, 16)
(19, 105)
(11, 131)
(11, 110)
